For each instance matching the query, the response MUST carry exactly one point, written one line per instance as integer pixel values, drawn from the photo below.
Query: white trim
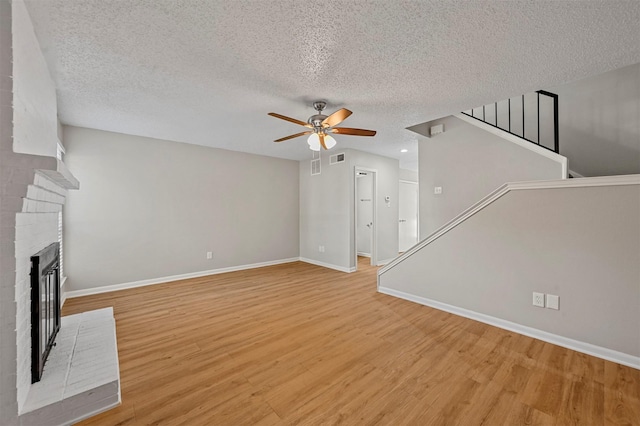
(63, 294)
(98, 410)
(363, 254)
(417, 211)
(517, 140)
(504, 189)
(328, 265)
(374, 206)
(575, 174)
(61, 176)
(162, 280)
(408, 181)
(447, 227)
(385, 261)
(582, 183)
(59, 142)
(576, 345)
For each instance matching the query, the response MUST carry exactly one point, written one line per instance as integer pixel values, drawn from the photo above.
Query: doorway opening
(365, 238)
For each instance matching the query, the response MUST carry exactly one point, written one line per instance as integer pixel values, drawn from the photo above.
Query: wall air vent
(336, 158)
(315, 167)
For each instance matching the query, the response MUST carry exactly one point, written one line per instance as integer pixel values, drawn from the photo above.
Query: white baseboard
(63, 293)
(328, 265)
(385, 261)
(161, 280)
(363, 254)
(587, 348)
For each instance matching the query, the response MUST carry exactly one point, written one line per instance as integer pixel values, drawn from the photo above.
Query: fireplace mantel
(61, 175)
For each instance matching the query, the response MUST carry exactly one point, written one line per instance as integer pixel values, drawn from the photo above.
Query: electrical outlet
(553, 301)
(209, 255)
(437, 190)
(538, 299)
(321, 249)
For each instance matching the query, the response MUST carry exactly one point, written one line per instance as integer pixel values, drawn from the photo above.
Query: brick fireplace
(33, 188)
(36, 228)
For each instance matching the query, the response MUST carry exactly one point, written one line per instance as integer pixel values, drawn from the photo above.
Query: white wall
(150, 208)
(408, 175)
(582, 244)
(600, 123)
(35, 106)
(327, 209)
(386, 226)
(469, 163)
(324, 212)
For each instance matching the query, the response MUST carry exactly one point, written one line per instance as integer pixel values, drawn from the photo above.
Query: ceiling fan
(320, 125)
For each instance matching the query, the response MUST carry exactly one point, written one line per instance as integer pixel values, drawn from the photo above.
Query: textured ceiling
(208, 72)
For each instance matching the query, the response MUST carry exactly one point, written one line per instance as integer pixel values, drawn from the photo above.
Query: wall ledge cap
(586, 182)
(61, 176)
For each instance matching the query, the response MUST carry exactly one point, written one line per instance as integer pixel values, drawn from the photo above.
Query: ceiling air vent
(336, 158)
(315, 167)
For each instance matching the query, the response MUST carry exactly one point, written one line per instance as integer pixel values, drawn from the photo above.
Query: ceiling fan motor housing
(317, 119)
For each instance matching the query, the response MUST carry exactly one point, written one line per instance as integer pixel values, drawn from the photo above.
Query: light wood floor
(300, 344)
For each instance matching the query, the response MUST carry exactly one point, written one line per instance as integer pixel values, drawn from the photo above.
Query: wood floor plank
(622, 395)
(297, 344)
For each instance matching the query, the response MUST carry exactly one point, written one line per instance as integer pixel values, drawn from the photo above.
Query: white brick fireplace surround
(36, 228)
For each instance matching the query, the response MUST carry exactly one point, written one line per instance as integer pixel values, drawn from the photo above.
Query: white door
(364, 210)
(408, 215)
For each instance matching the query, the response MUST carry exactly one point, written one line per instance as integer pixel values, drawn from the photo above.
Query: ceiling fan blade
(354, 132)
(321, 136)
(336, 118)
(289, 119)
(292, 136)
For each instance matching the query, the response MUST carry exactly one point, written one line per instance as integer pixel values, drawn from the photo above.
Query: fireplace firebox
(45, 306)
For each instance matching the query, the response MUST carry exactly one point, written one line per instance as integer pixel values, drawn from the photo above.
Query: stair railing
(524, 118)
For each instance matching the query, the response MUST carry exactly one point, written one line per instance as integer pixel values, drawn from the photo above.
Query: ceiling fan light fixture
(314, 142)
(329, 141)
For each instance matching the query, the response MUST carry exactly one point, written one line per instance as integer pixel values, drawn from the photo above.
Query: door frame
(374, 206)
(417, 184)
